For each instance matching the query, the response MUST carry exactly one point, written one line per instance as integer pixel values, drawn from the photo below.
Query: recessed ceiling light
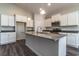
(29, 18)
(49, 4)
(41, 9)
(42, 12)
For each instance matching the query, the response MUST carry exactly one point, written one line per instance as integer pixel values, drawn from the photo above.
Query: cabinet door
(11, 21)
(4, 38)
(53, 19)
(77, 39)
(48, 22)
(63, 20)
(28, 23)
(71, 39)
(4, 20)
(72, 18)
(31, 23)
(18, 18)
(21, 18)
(11, 37)
(24, 18)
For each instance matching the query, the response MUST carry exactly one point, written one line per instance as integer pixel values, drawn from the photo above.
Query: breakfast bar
(46, 44)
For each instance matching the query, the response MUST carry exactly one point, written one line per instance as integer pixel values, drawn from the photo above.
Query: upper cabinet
(73, 18)
(66, 19)
(4, 20)
(56, 17)
(70, 19)
(21, 18)
(29, 23)
(63, 20)
(48, 22)
(11, 21)
(7, 20)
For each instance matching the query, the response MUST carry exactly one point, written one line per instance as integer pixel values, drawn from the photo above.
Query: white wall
(8, 8)
(39, 21)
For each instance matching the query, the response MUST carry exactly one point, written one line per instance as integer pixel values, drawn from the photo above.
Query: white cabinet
(4, 20)
(69, 19)
(11, 37)
(29, 23)
(72, 39)
(56, 17)
(20, 18)
(11, 21)
(63, 20)
(73, 18)
(8, 37)
(48, 22)
(7, 20)
(4, 38)
(53, 19)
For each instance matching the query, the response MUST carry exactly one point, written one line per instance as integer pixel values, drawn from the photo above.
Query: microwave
(56, 23)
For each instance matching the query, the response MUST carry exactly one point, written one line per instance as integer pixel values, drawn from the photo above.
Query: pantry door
(20, 30)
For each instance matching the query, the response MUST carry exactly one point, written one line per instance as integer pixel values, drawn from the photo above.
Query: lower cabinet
(8, 37)
(11, 37)
(72, 39)
(4, 38)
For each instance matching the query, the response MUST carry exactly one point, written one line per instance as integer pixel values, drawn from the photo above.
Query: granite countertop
(66, 31)
(70, 31)
(48, 35)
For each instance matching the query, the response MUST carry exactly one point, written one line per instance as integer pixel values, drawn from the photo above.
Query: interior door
(20, 30)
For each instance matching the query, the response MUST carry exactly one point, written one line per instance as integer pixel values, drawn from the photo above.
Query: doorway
(20, 30)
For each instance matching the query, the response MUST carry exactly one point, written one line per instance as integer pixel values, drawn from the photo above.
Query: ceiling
(54, 8)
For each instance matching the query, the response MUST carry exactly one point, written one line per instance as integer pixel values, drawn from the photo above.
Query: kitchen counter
(65, 31)
(69, 31)
(46, 43)
(52, 36)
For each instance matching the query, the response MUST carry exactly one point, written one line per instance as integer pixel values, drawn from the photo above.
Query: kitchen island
(46, 44)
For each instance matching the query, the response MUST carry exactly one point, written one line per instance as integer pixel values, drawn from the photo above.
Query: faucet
(39, 29)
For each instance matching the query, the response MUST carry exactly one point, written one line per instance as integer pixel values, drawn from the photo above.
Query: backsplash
(72, 28)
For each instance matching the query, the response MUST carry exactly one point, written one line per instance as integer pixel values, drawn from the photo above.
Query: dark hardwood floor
(16, 49)
(72, 51)
(20, 49)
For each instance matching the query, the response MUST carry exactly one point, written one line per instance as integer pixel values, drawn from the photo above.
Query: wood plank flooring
(72, 51)
(20, 49)
(16, 49)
